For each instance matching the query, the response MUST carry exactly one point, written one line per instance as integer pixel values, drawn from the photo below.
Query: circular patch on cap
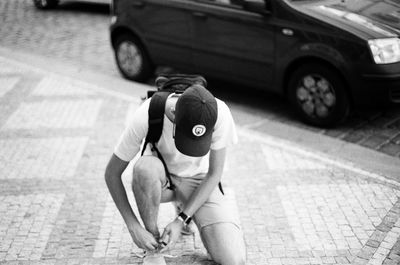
(199, 130)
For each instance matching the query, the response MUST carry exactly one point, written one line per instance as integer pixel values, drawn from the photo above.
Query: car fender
(117, 28)
(310, 52)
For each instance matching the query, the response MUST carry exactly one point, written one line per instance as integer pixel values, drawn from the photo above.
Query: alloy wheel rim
(316, 96)
(130, 58)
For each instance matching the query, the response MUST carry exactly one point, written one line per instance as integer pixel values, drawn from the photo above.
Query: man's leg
(149, 187)
(224, 242)
(221, 236)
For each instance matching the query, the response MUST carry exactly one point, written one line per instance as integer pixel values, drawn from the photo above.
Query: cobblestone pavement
(57, 134)
(78, 34)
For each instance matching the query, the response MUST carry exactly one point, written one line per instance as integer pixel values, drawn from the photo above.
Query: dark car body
(262, 43)
(48, 4)
(346, 27)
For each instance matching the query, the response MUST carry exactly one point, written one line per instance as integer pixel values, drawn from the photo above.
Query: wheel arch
(119, 31)
(148, 65)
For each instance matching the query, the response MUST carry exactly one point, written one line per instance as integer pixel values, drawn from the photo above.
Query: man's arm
(140, 236)
(210, 182)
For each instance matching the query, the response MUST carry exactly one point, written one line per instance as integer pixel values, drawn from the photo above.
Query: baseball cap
(196, 113)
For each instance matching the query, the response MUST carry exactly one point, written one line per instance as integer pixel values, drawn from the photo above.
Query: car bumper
(378, 85)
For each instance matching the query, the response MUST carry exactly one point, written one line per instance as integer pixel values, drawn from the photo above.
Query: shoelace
(138, 255)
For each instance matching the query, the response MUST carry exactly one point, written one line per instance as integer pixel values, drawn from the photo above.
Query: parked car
(48, 4)
(324, 56)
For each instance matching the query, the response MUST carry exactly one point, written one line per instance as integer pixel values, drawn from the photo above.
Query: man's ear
(170, 108)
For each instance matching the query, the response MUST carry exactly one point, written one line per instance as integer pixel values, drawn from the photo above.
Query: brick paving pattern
(53, 115)
(57, 134)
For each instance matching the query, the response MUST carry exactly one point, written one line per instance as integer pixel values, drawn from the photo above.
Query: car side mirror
(256, 6)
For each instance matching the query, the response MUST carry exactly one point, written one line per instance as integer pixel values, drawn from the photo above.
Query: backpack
(166, 85)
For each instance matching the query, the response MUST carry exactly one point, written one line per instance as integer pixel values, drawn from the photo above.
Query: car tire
(132, 59)
(45, 4)
(319, 95)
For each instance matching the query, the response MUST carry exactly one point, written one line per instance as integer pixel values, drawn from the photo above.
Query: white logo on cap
(199, 130)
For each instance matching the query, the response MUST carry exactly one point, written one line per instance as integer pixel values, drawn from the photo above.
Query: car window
(223, 2)
(236, 4)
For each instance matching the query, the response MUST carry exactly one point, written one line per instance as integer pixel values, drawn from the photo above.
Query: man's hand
(171, 234)
(143, 238)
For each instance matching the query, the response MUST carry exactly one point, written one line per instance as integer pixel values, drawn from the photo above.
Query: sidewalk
(295, 206)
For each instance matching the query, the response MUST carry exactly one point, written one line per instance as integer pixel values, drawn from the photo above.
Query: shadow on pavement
(82, 7)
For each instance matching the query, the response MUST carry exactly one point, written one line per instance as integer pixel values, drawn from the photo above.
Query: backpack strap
(156, 123)
(156, 116)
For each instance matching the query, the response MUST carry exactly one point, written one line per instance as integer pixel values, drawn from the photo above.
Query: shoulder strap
(156, 117)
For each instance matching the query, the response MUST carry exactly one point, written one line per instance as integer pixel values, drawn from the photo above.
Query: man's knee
(147, 170)
(233, 258)
(225, 244)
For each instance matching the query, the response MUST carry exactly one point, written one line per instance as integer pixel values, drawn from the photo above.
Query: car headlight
(385, 51)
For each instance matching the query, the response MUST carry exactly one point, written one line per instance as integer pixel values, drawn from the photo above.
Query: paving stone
(59, 86)
(390, 262)
(33, 209)
(45, 158)
(356, 137)
(6, 84)
(284, 159)
(374, 141)
(367, 253)
(390, 149)
(394, 124)
(373, 243)
(342, 260)
(396, 139)
(57, 114)
(322, 192)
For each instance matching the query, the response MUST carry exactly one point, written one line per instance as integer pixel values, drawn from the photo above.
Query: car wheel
(319, 95)
(132, 59)
(45, 4)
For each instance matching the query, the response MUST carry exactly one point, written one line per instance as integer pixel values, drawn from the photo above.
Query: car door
(232, 42)
(165, 26)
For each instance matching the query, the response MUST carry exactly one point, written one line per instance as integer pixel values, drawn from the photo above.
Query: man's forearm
(210, 182)
(118, 193)
(201, 194)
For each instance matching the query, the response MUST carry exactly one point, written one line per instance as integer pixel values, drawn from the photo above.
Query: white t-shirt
(181, 165)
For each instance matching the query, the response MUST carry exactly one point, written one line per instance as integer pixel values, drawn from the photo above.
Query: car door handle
(199, 15)
(138, 4)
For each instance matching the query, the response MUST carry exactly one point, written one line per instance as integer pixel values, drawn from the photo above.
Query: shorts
(215, 210)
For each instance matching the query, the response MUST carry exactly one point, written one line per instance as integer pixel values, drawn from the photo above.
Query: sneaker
(154, 258)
